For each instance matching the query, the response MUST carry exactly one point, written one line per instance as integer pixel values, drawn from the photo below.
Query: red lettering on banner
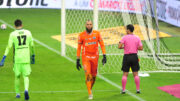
(120, 4)
(131, 5)
(106, 4)
(91, 3)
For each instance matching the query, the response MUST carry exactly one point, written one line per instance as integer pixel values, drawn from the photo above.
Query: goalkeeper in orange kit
(89, 40)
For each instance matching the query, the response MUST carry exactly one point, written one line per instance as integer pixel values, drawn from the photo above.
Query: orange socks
(89, 80)
(93, 81)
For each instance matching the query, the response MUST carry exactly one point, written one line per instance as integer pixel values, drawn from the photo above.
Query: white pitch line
(66, 91)
(37, 41)
(100, 76)
(7, 24)
(119, 87)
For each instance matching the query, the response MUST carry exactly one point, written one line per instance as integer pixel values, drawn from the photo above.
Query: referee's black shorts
(130, 60)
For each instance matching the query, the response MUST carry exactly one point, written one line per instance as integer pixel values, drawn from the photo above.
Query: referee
(131, 44)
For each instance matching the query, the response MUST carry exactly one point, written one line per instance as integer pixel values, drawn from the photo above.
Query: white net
(113, 16)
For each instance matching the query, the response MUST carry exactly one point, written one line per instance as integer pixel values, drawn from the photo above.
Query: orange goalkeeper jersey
(89, 43)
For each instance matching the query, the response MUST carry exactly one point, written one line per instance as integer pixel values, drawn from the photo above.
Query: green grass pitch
(54, 78)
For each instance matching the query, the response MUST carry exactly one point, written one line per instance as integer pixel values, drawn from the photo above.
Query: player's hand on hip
(33, 59)
(78, 65)
(104, 60)
(2, 61)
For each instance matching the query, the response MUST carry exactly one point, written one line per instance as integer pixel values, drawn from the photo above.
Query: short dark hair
(88, 20)
(130, 27)
(18, 23)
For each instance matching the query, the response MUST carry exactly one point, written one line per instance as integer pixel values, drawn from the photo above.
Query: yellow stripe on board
(111, 36)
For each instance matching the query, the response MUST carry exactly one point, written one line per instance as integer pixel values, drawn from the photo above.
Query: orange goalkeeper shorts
(90, 64)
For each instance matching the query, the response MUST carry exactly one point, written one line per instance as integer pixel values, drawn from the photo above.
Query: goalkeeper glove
(78, 65)
(33, 59)
(104, 59)
(2, 61)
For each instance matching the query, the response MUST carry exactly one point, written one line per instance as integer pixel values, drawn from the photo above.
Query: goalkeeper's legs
(94, 65)
(17, 72)
(17, 86)
(90, 67)
(26, 83)
(26, 86)
(89, 83)
(137, 81)
(93, 81)
(124, 81)
(26, 72)
(88, 76)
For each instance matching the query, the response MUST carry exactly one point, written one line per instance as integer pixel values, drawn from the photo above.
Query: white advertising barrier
(109, 5)
(167, 10)
(30, 3)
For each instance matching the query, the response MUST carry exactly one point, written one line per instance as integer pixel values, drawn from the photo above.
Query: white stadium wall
(167, 10)
(30, 3)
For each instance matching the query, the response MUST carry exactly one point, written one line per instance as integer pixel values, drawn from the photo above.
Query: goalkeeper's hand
(33, 59)
(78, 65)
(104, 59)
(2, 61)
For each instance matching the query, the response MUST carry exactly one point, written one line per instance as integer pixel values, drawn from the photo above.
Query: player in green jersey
(23, 45)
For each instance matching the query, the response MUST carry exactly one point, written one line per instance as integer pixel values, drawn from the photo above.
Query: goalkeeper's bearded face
(89, 26)
(88, 30)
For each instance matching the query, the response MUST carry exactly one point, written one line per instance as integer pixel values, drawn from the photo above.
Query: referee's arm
(120, 45)
(140, 48)
(140, 45)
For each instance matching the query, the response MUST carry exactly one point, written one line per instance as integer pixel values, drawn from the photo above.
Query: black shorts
(130, 60)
